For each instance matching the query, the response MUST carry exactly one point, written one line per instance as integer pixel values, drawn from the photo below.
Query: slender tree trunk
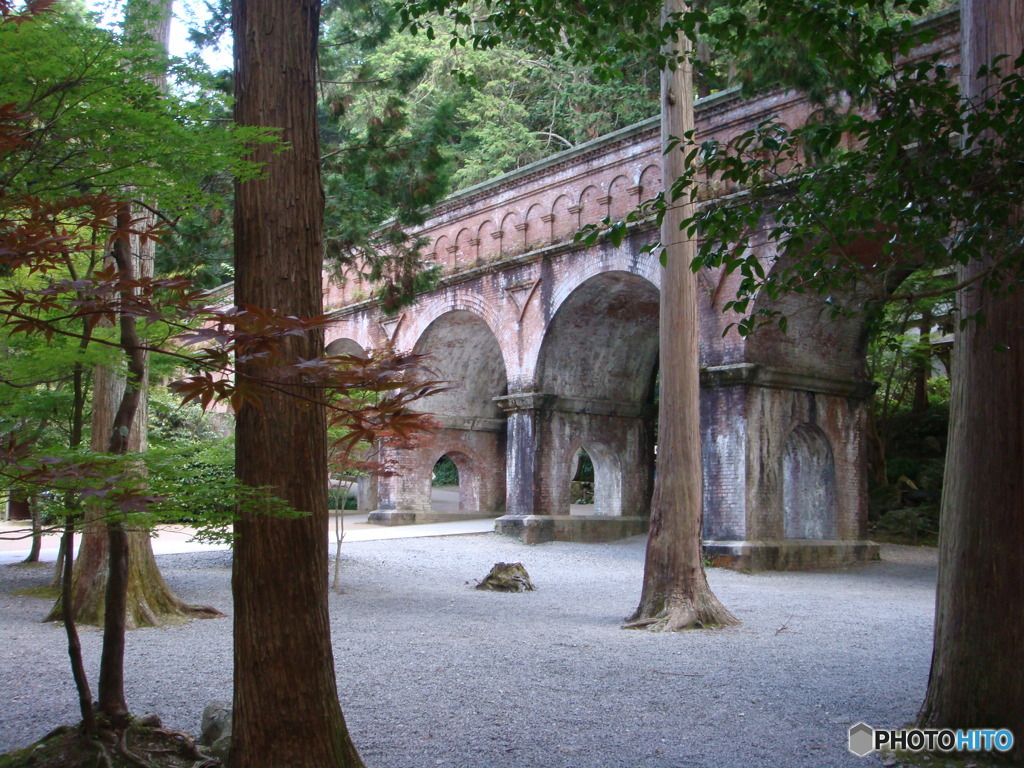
(71, 511)
(975, 676)
(112, 701)
(58, 570)
(675, 593)
(37, 531)
(286, 709)
(74, 644)
(922, 364)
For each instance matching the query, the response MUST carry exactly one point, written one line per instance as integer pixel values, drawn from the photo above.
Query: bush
(197, 484)
(338, 496)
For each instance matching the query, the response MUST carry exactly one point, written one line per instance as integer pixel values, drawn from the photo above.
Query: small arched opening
(596, 482)
(444, 486)
(581, 483)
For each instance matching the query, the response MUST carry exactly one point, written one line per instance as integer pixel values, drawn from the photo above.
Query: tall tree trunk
(286, 709)
(975, 676)
(149, 600)
(675, 593)
(112, 701)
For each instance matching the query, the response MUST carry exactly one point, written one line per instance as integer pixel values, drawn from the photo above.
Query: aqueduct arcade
(551, 347)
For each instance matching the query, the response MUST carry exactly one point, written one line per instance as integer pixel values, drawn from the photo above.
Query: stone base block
(788, 555)
(537, 529)
(391, 517)
(412, 517)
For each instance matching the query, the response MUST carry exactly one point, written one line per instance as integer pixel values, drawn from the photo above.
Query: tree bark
(286, 709)
(975, 678)
(675, 593)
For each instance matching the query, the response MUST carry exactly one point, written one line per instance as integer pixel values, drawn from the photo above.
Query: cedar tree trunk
(676, 594)
(149, 599)
(976, 679)
(286, 710)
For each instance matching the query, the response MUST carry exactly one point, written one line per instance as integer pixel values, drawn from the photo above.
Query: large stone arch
(481, 487)
(419, 317)
(345, 346)
(785, 419)
(825, 334)
(462, 351)
(605, 260)
(594, 387)
(602, 339)
(355, 331)
(608, 475)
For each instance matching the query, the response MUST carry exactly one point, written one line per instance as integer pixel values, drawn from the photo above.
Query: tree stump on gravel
(507, 577)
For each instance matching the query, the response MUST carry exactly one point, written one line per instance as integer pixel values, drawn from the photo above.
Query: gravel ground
(434, 673)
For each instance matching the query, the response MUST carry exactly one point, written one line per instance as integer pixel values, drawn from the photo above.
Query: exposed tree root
(102, 756)
(141, 745)
(137, 759)
(677, 613)
(150, 601)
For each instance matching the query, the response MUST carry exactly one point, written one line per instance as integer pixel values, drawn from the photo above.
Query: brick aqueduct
(551, 347)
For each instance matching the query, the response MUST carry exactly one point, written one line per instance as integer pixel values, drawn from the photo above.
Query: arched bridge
(552, 347)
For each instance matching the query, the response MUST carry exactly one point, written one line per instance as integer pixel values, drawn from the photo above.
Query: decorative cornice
(524, 401)
(472, 424)
(634, 229)
(753, 374)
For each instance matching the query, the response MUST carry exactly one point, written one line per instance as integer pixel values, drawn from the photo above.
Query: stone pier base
(788, 555)
(537, 529)
(412, 517)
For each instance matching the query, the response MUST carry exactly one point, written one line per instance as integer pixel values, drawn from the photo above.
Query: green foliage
(509, 106)
(102, 122)
(761, 45)
(103, 125)
(585, 470)
(599, 34)
(86, 126)
(901, 350)
(859, 201)
(904, 504)
(176, 424)
(196, 485)
(338, 497)
(445, 472)
(407, 119)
